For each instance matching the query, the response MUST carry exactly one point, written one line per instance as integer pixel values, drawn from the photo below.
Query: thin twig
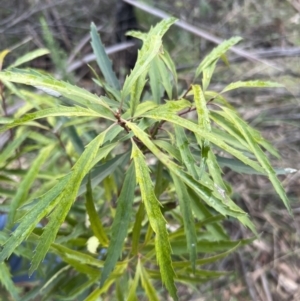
(199, 32)
(247, 279)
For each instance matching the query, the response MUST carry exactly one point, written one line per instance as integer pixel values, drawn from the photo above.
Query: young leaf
(102, 59)
(151, 47)
(204, 124)
(156, 220)
(165, 56)
(136, 92)
(155, 81)
(120, 224)
(216, 54)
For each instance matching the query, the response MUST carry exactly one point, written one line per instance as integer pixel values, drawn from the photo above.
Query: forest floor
(268, 269)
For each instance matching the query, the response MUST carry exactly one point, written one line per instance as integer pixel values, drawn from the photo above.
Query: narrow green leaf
(133, 287)
(57, 111)
(57, 88)
(6, 281)
(165, 56)
(204, 134)
(205, 247)
(103, 61)
(94, 218)
(120, 224)
(143, 107)
(29, 57)
(207, 260)
(100, 172)
(43, 206)
(119, 271)
(252, 84)
(183, 146)
(151, 47)
(171, 106)
(136, 231)
(216, 54)
(203, 213)
(136, 92)
(27, 182)
(204, 124)
(146, 283)
(165, 76)
(215, 172)
(244, 128)
(156, 220)
(188, 220)
(155, 81)
(206, 193)
(67, 197)
(207, 75)
(9, 150)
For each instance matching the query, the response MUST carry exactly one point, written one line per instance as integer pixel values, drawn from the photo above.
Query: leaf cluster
(144, 173)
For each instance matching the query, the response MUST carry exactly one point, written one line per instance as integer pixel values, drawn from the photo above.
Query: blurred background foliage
(269, 268)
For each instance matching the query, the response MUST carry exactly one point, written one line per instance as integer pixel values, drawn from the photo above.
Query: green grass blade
(151, 47)
(103, 60)
(156, 220)
(120, 224)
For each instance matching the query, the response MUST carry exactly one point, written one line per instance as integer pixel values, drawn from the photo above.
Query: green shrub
(146, 175)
